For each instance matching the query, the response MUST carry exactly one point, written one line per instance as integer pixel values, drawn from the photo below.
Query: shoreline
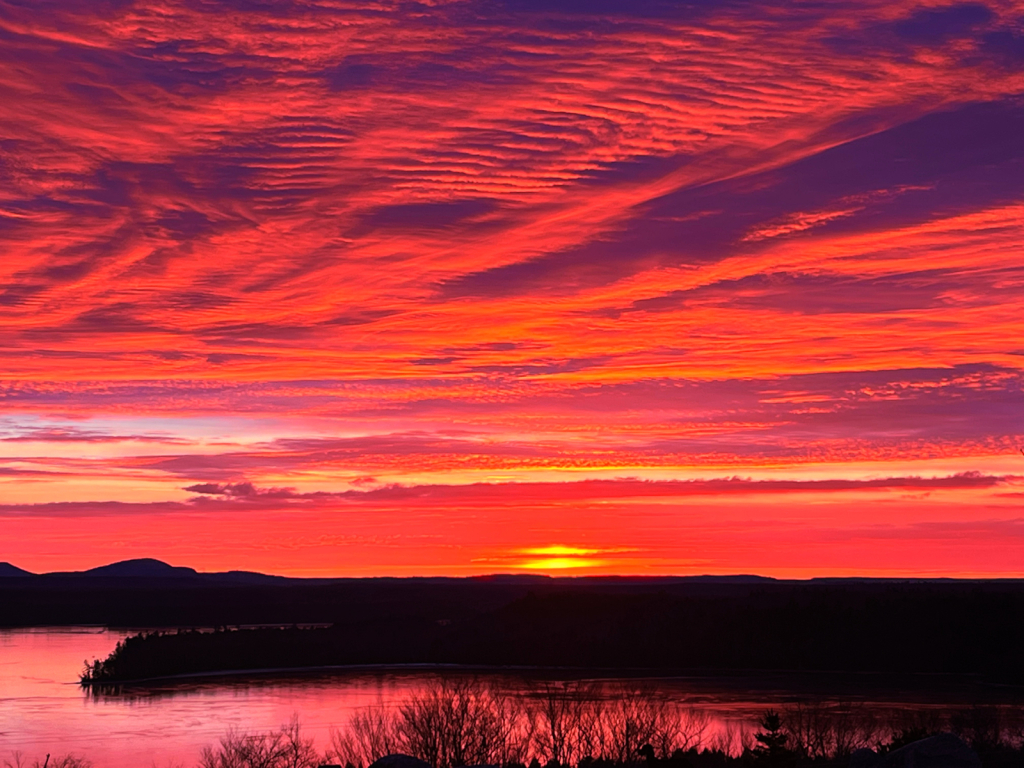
(879, 687)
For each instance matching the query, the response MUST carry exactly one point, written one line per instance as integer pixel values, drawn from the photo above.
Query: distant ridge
(146, 567)
(7, 570)
(507, 610)
(535, 578)
(150, 568)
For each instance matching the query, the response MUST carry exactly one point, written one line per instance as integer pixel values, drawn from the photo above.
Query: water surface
(43, 709)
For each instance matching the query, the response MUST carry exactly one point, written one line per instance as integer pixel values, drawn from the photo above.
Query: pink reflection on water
(43, 709)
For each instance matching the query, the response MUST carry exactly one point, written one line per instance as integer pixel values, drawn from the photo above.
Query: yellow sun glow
(560, 563)
(559, 550)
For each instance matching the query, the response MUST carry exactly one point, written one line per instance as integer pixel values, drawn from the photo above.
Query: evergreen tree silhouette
(771, 747)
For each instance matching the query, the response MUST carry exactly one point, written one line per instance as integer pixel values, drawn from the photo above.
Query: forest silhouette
(894, 628)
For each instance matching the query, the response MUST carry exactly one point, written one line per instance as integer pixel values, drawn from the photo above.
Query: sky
(458, 287)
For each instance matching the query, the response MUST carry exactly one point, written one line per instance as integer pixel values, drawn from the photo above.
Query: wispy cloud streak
(360, 250)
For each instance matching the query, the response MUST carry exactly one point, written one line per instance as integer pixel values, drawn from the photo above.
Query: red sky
(456, 287)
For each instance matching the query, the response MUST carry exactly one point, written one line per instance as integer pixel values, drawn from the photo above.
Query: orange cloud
(420, 256)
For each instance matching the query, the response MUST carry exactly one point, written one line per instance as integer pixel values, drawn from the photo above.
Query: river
(43, 709)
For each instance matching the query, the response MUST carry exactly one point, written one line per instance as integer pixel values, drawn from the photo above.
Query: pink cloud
(263, 257)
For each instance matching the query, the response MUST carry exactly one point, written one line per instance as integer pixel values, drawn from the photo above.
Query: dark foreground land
(664, 625)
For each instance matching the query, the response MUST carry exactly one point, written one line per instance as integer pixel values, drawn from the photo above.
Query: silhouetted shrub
(828, 731)
(451, 723)
(285, 748)
(18, 760)
(455, 723)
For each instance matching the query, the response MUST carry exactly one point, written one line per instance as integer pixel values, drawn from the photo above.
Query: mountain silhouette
(146, 567)
(7, 570)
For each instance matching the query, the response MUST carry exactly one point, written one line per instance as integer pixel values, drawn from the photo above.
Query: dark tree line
(892, 629)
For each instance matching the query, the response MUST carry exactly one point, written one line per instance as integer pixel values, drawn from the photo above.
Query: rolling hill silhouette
(676, 623)
(146, 567)
(6, 569)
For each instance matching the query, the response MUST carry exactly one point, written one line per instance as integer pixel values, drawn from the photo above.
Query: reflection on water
(42, 709)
